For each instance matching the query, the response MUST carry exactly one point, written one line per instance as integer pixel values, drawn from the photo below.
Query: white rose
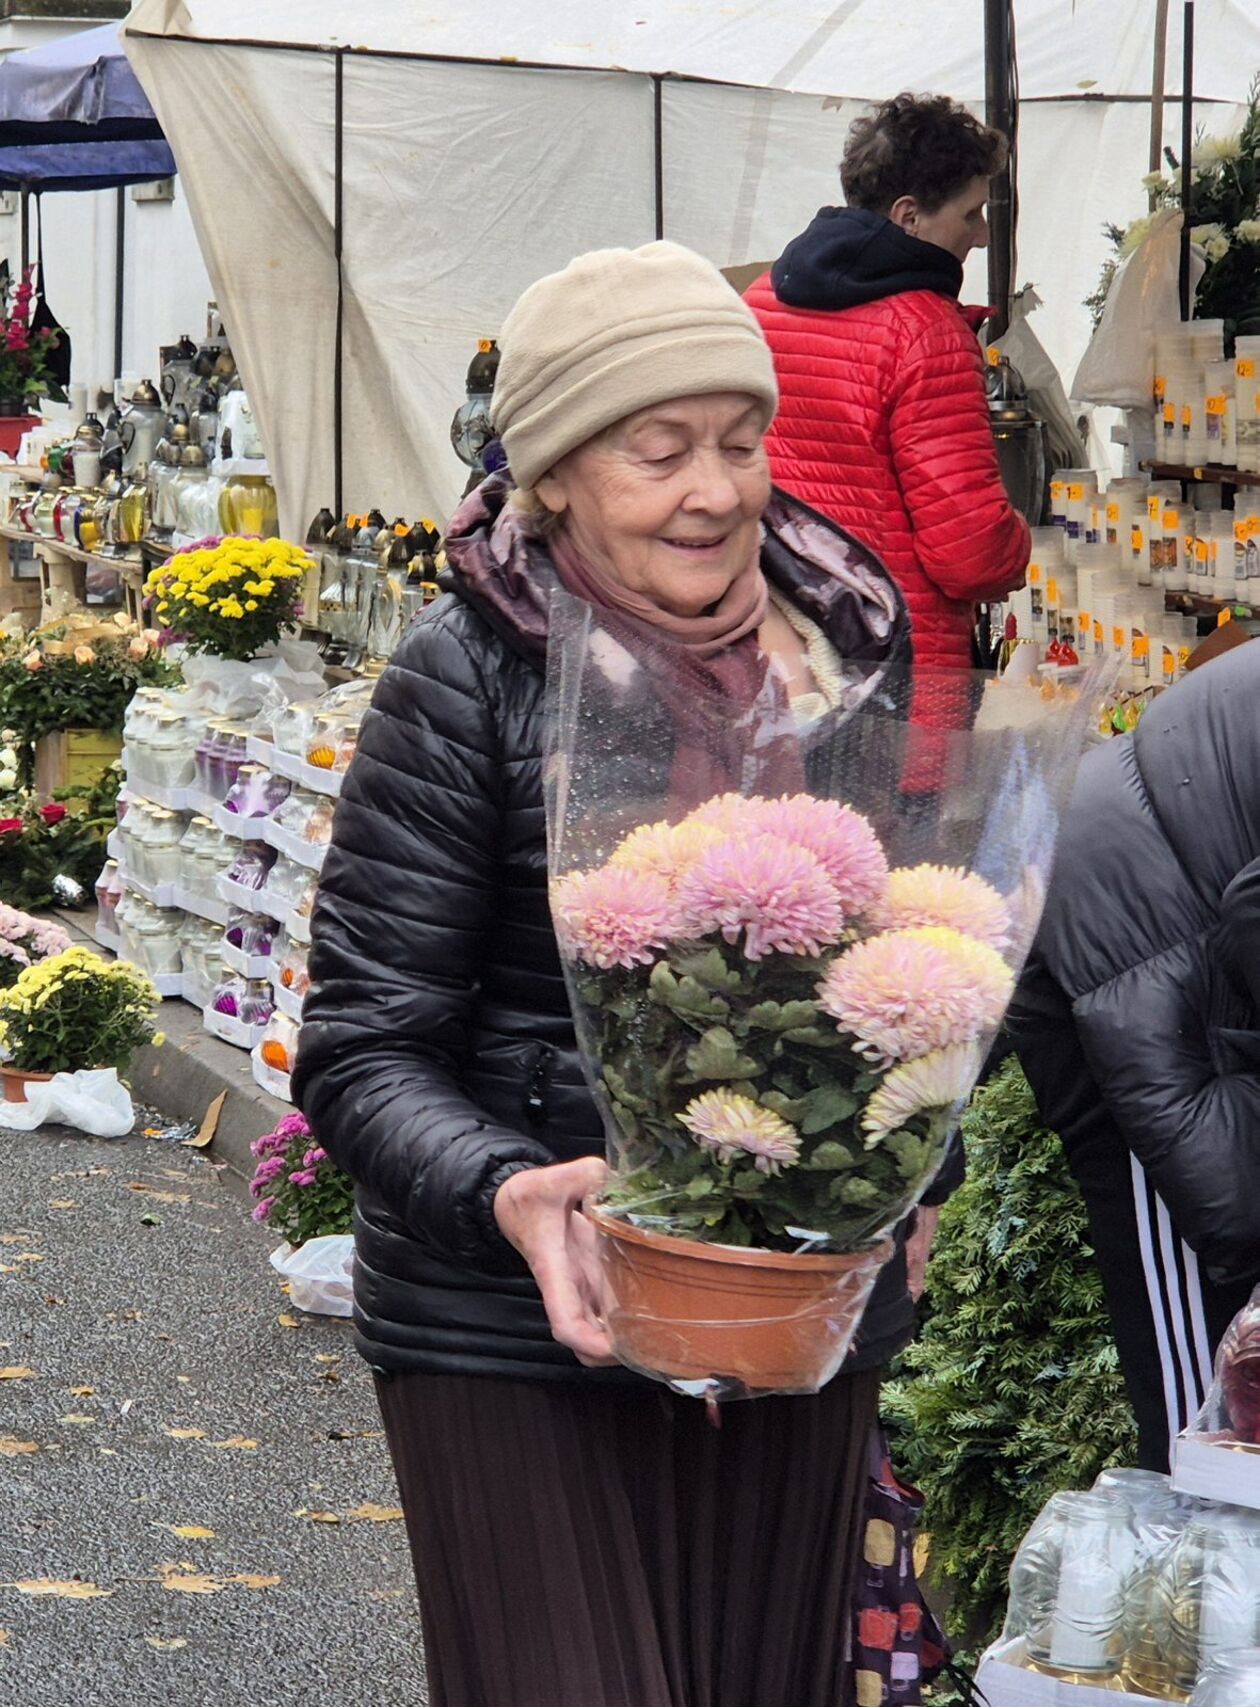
(8, 779)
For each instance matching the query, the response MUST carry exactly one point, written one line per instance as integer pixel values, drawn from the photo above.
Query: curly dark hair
(925, 146)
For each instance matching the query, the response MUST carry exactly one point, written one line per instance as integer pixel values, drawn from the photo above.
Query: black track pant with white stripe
(1167, 1316)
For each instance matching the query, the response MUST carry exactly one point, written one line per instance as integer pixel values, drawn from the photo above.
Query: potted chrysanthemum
(784, 1030)
(71, 1011)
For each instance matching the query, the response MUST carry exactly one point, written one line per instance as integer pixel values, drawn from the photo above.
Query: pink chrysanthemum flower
(667, 850)
(905, 993)
(840, 839)
(933, 1082)
(944, 895)
(611, 917)
(733, 814)
(776, 894)
(730, 1125)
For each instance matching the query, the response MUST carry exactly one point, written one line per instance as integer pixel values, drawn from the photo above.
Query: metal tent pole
(120, 262)
(1187, 148)
(999, 112)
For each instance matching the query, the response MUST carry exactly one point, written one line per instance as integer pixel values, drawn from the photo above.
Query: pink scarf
(708, 685)
(739, 612)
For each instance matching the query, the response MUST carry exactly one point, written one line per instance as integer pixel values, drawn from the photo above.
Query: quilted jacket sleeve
(406, 900)
(968, 537)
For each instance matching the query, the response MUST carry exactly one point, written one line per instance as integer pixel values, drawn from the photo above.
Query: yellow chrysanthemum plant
(231, 598)
(77, 1010)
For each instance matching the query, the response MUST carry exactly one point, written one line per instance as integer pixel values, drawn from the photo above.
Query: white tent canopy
(485, 142)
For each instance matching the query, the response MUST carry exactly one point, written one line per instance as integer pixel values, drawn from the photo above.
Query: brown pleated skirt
(609, 1547)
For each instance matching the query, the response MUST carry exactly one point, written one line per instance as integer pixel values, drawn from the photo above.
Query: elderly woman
(582, 1536)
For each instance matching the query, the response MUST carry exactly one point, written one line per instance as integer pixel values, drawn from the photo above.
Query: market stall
(415, 178)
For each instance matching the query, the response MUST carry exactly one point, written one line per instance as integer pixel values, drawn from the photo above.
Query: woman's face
(669, 501)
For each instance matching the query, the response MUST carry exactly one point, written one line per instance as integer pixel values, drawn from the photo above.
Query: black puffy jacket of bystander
(1138, 1017)
(438, 1052)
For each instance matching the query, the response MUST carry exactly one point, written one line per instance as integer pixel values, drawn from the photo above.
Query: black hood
(848, 256)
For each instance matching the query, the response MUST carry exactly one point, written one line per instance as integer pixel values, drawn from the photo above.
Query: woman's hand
(539, 1211)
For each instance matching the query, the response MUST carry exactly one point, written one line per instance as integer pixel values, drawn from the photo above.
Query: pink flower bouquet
(786, 968)
(785, 1027)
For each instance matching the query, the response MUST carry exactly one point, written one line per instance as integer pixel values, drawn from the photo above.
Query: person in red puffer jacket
(883, 424)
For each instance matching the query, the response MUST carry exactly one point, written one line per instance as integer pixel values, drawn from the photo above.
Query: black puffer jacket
(438, 1053)
(1138, 1017)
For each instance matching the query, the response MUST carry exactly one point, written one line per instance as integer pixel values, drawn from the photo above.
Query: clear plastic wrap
(786, 969)
(1218, 1457)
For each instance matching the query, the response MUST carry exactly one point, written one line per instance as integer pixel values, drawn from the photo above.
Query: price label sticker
(485, 345)
(1052, 592)
(1161, 386)
(1170, 414)
(1187, 417)
(1118, 638)
(1245, 367)
(1200, 550)
(1215, 405)
(993, 355)
(1137, 539)
(1172, 521)
(1113, 513)
(1141, 647)
(1076, 492)
(1154, 509)
(1058, 490)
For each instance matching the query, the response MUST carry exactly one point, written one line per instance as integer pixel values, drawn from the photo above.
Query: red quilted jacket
(883, 424)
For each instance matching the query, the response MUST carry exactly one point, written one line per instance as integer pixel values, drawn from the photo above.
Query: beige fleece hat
(613, 332)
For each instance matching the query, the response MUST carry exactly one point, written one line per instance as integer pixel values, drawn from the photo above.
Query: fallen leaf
(4, 1638)
(190, 1531)
(209, 1124)
(82, 1392)
(321, 1516)
(287, 1319)
(286, 1286)
(28, 1256)
(167, 1644)
(63, 1203)
(72, 1590)
(370, 1513)
(328, 1357)
(76, 1417)
(16, 1372)
(248, 1579)
(356, 1434)
(18, 1238)
(237, 1443)
(9, 1268)
(190, 1582)
(11, 1447)
(187, 1433)
(387, 1594)
(159, 1196)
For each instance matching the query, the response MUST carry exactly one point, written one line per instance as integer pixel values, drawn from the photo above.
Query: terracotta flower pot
(755, 1321)
(15, 1083)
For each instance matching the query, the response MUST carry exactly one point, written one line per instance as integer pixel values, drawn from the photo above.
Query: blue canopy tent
(74, 117)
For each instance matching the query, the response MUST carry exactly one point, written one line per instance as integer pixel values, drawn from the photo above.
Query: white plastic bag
(1118, 366)
(319, 1274)
(229, 687)
(1027, 355)
(93, 1100)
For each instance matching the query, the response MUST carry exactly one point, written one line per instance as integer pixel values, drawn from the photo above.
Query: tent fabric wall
(466, 181)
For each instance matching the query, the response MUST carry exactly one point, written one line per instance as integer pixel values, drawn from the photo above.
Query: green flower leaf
(827, 1106)
(718, 1056)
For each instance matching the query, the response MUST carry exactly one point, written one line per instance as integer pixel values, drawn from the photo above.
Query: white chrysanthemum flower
(1156, 184)
(1216, 151)
(935, 1081)
(1248, 231)
(1136, 233)
(1203, 234)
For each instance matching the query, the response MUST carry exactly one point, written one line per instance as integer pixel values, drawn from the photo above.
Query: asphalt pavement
(196, 1504)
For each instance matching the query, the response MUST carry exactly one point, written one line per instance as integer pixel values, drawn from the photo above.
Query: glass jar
(250, 932)
(216, 854)
(191, 843)
(139, 833)
(157, 938)
(292, 968)
(1068, 1585)
(257, 1004)
(251, 865)
(278, 1049)
(1204, 1600)
(247, 505)
(109, 892)
(171, 750)
(163, 846)
(306, 905)
(1231, 1679)
(126, 915)
(228, 995)
(256, 792)
(317, 830)
(290, 728)
(287, 883)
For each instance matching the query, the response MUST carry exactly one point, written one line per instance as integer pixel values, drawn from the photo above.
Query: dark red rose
(7, 824)
(52, 814)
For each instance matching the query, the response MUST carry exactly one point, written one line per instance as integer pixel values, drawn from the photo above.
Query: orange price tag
(1113, 512)
(1245, 367)
(1052, 592)
(1187, 416)
(1170, 414)
(1076, 492)
(1160, 387)
(1215, 405)
(1137, 540)
(1172, 521)
(1141, 647)
(993, 355)
(485, 345)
